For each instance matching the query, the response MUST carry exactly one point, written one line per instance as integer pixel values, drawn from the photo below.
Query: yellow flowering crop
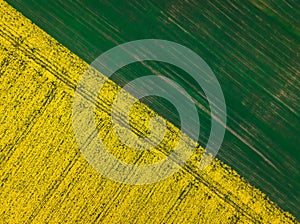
(45, 178)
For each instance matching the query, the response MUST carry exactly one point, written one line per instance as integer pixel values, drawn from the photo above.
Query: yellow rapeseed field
(46, 179)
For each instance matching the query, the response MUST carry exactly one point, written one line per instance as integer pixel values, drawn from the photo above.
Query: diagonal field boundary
(44, 177)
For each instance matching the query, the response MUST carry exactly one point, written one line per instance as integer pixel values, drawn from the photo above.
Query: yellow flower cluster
(44, 177)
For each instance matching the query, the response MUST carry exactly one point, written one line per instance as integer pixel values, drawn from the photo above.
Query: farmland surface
(253, 50)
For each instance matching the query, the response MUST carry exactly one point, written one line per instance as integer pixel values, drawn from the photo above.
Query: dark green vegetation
(253, 49)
